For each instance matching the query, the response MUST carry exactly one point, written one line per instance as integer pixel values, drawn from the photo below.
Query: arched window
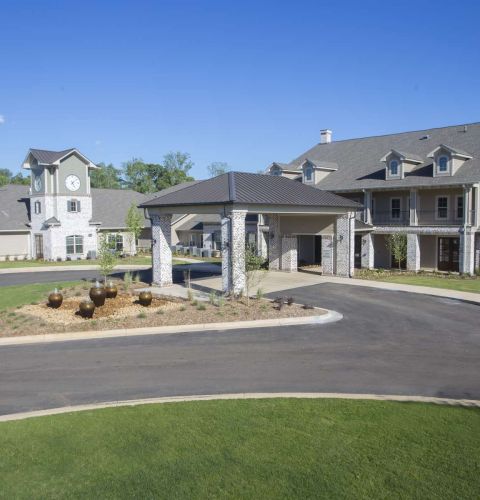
(443, 164)
(308, 174)
(394, 167)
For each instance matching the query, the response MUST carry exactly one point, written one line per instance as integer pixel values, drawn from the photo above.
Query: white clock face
(37, 183)
(72, 183)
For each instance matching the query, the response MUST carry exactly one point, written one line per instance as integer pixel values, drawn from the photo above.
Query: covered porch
(288, 210)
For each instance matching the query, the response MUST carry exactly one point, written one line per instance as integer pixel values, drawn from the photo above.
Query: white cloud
(2, 119)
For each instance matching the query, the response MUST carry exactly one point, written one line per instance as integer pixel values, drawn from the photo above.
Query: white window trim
(399, 169)
(75, 236)
(436, 206)
(457, 197)
(305, 174)
(447, 172)
(391, 208)
(76, 211)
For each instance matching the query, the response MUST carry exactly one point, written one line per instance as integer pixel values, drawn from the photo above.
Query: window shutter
(78, 205)
(68, 206)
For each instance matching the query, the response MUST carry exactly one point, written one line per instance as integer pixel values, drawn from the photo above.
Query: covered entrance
(448, 254)
(293, 209)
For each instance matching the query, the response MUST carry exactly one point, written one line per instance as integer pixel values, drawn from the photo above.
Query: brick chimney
(325, 136)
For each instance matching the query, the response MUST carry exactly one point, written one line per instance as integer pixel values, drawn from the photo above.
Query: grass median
(281, 448)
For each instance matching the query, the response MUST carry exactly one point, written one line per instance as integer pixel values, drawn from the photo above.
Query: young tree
(107, 256)
(397, 244)
(218, 168)
(134, 223)
(254, 272)
(107, 176)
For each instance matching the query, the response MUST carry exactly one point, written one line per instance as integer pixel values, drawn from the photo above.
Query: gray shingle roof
(246, 188)
(49, 157)
(359, 165)
(14, 208)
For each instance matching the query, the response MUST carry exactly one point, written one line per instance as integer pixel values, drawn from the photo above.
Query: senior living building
(424, 184)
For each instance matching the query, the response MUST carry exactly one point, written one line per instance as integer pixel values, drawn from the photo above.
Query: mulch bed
(125, 312)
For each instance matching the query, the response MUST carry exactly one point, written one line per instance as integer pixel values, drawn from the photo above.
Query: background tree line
(136, 174)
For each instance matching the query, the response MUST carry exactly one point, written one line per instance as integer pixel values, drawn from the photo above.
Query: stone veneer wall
(367, 256)
(413, 252)
(275, 243)
(327, 254)
(161, 249)
(237, 255)
(467, 251)
(477, 252)
(289, 259)
(345, 245)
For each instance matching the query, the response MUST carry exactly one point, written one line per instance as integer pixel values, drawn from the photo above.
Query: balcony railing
(439, 217)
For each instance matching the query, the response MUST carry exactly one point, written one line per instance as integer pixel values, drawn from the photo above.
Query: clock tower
(61, 205)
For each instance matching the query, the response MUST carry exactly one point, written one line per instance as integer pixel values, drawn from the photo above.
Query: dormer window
(443, 164)
(394, 168)
(308, 174)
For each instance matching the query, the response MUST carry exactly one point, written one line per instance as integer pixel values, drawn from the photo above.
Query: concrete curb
(37, 269)
(469, 403)
(329, 317)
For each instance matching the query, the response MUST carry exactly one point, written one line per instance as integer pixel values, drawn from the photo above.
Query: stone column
(467, 251)
(413, 252)
(367, 251)
(289, 253)
(233, 252)
(225, 246)
(327, 254)
(275, 243)
(345, 245)
(161, 251)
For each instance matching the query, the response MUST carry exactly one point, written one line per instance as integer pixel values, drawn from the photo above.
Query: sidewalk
(278, 281)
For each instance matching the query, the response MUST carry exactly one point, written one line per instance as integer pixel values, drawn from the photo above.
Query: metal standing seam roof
(49, 157)
(251, 189)
(360, 166)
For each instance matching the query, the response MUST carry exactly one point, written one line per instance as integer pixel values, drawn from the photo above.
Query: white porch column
(467, 251)
(327, 254)
(367, 251)
(289, 253)
(161, 251)
(367, 206)
(233, 252)
(275, 243)
(413, 207)
(413, 252)
(467, 205)
(345, 245)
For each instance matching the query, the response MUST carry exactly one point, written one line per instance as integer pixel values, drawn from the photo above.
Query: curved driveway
(388, 343)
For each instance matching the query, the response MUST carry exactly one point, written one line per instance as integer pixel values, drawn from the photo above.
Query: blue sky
(245, 82)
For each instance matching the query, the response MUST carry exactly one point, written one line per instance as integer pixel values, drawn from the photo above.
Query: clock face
(72, 183)
(37, 183)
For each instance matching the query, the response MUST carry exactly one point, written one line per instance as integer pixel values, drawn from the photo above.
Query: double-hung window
(394, 168)
(73, 206)
(308, 174)
(443, 164)
(115, 242)
(395, 208)
(74, 244)
(459, 207)
(442, 207)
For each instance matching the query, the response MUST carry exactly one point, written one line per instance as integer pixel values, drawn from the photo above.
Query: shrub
(221, 300)
(127, 281)
(190, 294)
(141, 315)
(183, 308)
(259, 293)
(212, 298)
(201, 307)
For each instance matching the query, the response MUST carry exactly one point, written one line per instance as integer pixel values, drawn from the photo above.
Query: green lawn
(246, 449)
(138, 259)
(19, 295)
(449, 282)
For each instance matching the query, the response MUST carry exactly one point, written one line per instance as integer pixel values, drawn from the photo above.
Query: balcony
(439, 217)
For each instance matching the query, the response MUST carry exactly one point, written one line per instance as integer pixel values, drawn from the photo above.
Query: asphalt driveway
(388, 343)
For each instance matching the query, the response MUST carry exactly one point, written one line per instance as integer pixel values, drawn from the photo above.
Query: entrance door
(449, 254)
(39, 246)
(318, 249)
(358, 251)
